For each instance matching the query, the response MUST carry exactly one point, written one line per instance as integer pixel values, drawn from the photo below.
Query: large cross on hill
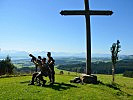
(87, 13)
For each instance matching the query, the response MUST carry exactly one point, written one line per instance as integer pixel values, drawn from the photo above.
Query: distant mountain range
(24, 55)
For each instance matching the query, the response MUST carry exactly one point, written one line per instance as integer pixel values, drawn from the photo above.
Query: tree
(114, 50)
(6, 66)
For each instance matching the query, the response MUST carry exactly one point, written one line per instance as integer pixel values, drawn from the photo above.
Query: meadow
(17, 88)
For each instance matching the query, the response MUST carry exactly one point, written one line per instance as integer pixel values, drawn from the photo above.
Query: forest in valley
(71, 64)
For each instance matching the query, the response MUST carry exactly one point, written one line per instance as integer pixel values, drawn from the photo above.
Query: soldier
(37, 63)
(51, 63)
(44, 71)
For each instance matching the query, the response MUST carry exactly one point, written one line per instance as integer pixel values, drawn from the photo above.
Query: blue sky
(31, 25)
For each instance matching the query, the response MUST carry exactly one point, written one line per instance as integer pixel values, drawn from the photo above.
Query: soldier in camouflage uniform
(51, 63)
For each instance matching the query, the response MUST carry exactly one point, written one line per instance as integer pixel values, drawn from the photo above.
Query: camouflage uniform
(51, 66)
(44, 71)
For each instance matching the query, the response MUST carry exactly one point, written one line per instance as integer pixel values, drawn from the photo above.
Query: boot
(32, 83)
(44, 83)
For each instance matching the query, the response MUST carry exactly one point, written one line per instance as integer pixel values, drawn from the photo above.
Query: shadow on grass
(55, 86)
(115, 86)
(60, 86)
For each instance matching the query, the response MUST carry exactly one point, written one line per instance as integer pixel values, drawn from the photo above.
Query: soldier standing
(51, 63)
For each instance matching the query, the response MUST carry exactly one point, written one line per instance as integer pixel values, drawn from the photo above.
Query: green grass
(17, 88)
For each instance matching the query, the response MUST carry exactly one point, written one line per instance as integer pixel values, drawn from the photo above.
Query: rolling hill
(16, 88)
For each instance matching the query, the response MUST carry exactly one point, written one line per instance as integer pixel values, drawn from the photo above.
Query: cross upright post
(87, 12)
(88, 39)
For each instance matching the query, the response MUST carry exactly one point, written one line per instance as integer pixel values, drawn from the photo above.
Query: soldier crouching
(44, 71)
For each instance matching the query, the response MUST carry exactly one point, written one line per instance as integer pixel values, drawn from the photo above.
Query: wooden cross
(87, 12)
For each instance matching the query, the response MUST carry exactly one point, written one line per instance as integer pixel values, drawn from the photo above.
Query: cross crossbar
(86, 12)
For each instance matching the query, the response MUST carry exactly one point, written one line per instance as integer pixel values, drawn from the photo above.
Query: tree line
(100, 67)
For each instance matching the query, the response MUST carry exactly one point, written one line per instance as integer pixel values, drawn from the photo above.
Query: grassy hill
(17, 88)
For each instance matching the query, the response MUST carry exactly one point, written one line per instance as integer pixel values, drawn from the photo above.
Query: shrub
(128, 74)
